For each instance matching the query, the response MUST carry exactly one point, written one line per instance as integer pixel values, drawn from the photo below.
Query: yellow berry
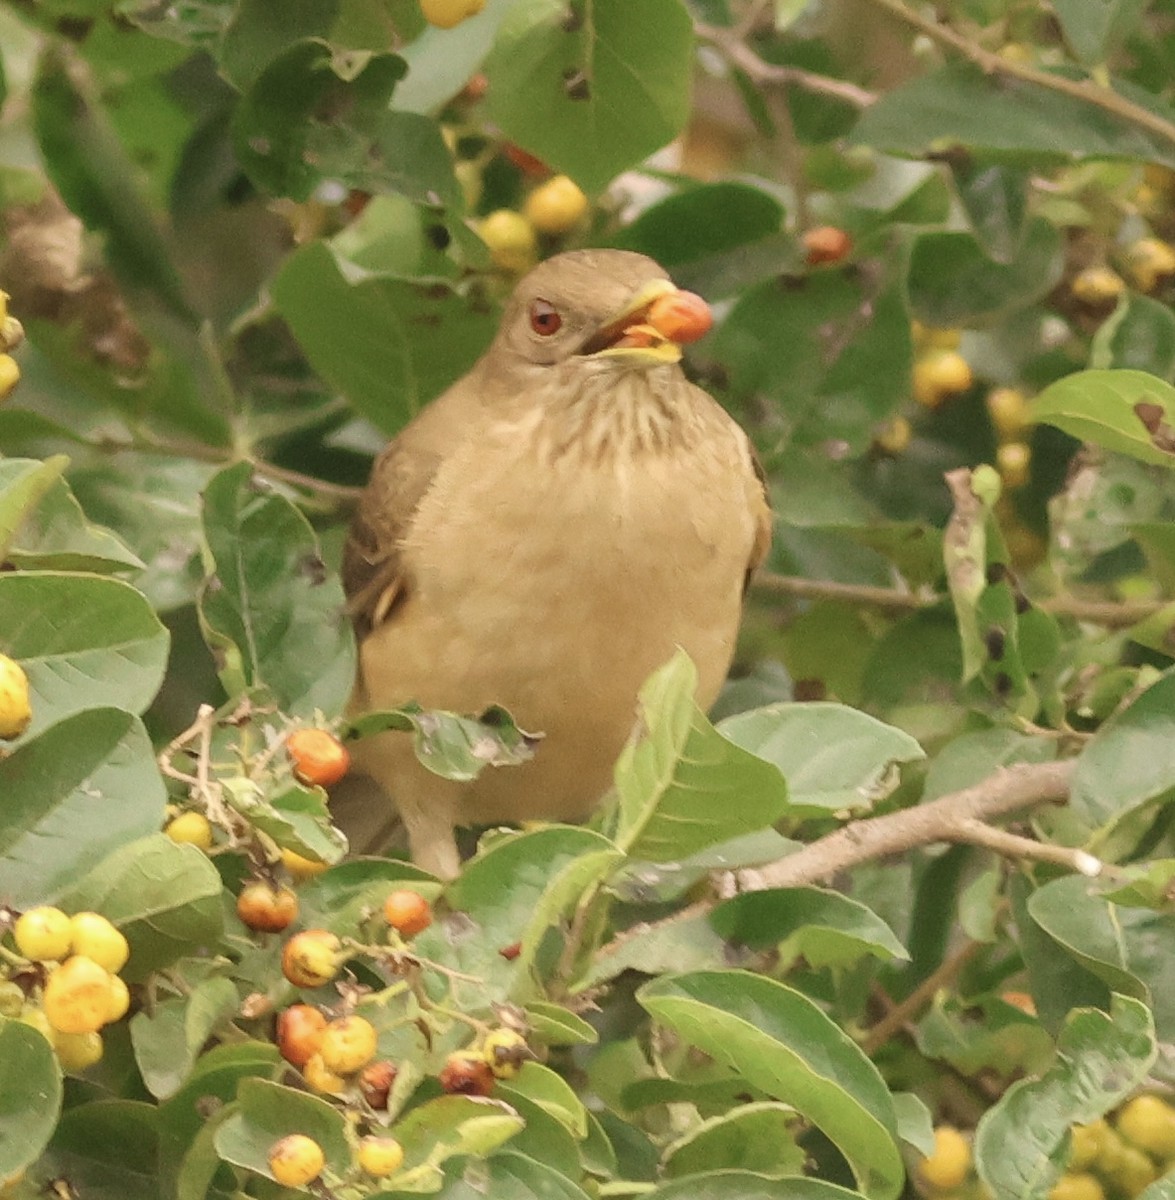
(1008, 409)
(1013, 461)
(1149, 1123)
(296, 1160)
(380, 1156)
(77, 1051)
(35, 1018)
(322, 1080)
(468, 175)
(1150, 262)
(1077, 1186)
(1097, 286)
(511, 240)
(931, 338)
(505, 1050)
(191, 829)
(1086, 1143)
(95, 937)
(9, 375)
(949, 1163)
(120, 1000)
(556, 206)
(1133, 1171)
(77, 996)
(300, 868)
(43, 933)
(311, 958)
(445, 14)
(893, 437)
(15, 709)
(348, 1045)
(940, 374)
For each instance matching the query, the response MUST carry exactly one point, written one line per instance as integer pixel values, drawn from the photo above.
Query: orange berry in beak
(682, 317)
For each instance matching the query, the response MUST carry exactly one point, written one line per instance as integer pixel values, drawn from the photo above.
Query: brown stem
(1012, 845)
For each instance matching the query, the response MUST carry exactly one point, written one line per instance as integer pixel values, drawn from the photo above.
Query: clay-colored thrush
(543, 536)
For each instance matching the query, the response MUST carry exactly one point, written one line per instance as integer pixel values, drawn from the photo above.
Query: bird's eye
(544, 318)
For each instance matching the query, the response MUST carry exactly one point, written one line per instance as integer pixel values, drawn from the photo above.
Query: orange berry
(375, 1082)
(296, 1160)
(407, 912)
(445, 14)
(682, 317)
(348, 1045)
(311, 958)
(267, 908)
(826, 244)
(319, 758)
(466, 1073)
(299, 1033)
(526, 162)
(77, 996)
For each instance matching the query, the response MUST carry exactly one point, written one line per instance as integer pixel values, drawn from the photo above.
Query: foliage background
(241, 239)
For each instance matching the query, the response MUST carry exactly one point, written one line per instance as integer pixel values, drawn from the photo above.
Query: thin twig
(1012, 845)
(1085, 90)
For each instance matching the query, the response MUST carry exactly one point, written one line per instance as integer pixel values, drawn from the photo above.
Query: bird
(542, 536)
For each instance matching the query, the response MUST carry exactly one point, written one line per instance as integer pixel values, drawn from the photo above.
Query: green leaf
(269, 608)
(953, 282)
(1126, 947)
(1022, 1142)
(257, 33)
(1094, 31)
(447, 1126)
(506, 1176)
(596, 94)
(780, 1041)
(996, 199)
(682, 942)
(683, 787)
(267, 1111)
(999, 1038)
(754, 1137)
(1130, 762)
(296, 817)
(30, 1095)
(23, 483)
(1007, 119)
(746, 1185)
(832, 756)
(72, 795)
(1127, 411)
(1138, 335)
(389, 345)
(915, 1122)
(108, 1147)
(165, 898)
(972, 757)
(823, 927)
(84, 641)
(557, 1026)
(168, 1039)
(554, 1095)
(450, 745)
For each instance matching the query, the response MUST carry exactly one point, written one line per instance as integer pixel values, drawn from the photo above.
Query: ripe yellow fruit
(77, 1051)
(556, 206)
(939, 374)
(893, 437)
(296, 1160)
(1149, 1123)
(511, 240)
(1097, 286)
(1077, 1185)
(949, 1163)
(15, 710)
(348, 1045)
(300, 868)
(505, 1050)
(311, 958)
(1133, 1171)
(120, 1000)
(1013, 460)
(43, 933)
(322, 1080)
(1086, 1143)
(445, 14)
(35, 1018)
(95, 938)
(191, 829)
(1150, 262)
(1008, 409)
(9, 375)
(77, 996)
(380, 1156)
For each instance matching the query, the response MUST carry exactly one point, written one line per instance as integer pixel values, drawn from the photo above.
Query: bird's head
(599, 308)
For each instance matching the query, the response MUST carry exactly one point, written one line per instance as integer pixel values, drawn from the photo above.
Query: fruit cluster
(551, 209)
(63, 980)
(11, 336)
(1121, 1156)
(940, 370)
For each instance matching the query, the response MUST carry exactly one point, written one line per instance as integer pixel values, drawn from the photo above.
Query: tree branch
(1007, 791)
(1079, 89)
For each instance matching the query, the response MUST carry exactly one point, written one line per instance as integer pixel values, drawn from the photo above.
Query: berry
(407, 912)
(191, 829)
(301, 869)
(35, 1018)
(348, 1045)
(466, 1073)
(43, 933)
(77, 996)
(296, 1160)
(556, 206)
(511, 240)
(682, 317)
(380, 1156)
(1086, 1143)
(1013, 460)
(1149, 1123)
(15, 709)
(1097, 286)
(1150, 262)
(9, 375)
(826, 244)
(940, 374)
(319, 758)
(375, 1082)
(445, 14)
(311, 958)
(321, 1080)
(949, 1163)
(299, 1033)
(77, 1051)
(119, 1001)
(505, 1050)
(893, 437)
(1077, 1186)
(1008, 410)
(267, 908)
(94, 937)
